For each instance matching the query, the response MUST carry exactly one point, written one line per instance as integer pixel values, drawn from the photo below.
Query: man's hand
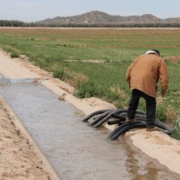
(163, 92)
(128, 81)
(156, 88)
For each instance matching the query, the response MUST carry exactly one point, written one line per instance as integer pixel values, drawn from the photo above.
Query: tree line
(14, 23)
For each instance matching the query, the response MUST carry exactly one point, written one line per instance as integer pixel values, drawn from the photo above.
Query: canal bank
(150, 144)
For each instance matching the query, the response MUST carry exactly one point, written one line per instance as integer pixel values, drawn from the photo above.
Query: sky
(37, 10)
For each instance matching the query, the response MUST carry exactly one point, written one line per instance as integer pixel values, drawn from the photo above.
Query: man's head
(153, 51)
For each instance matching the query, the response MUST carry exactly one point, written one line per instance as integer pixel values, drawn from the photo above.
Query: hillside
(95, 17)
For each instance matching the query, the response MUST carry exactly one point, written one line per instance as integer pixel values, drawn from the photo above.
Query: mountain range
(97, 17)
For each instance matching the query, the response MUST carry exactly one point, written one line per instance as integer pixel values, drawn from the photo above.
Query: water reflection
(144, 170)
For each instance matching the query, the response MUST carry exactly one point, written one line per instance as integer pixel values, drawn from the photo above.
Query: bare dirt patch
(172, 58)
(92, 61)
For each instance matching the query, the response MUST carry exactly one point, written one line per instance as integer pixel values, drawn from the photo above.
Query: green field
(62, 52)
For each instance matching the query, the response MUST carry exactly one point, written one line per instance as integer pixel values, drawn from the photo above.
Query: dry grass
(117, 90)
(74, 78)
(171, 116)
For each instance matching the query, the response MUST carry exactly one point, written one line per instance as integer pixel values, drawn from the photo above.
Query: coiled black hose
(127, 128)
(164, 126)
(93, 114)
(102, 116)
(108, 117)
(137, 124)
(124, 124)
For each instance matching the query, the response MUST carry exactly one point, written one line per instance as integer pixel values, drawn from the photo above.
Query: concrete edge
(20, 126)
(151, 151)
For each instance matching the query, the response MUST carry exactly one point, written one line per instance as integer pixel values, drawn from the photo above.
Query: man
(143, 75)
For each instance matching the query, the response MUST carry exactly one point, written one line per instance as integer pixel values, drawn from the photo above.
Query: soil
(172, 58)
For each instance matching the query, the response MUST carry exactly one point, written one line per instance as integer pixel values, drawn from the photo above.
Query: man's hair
(153, 51)
(156, 51)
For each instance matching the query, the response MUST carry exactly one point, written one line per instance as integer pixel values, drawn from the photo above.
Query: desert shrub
(60, 74)
(85, 90)
(14, 55)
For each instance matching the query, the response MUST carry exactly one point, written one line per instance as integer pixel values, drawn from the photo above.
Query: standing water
(76, 151)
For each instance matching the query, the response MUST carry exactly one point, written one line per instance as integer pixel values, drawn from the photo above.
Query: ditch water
(75, 150)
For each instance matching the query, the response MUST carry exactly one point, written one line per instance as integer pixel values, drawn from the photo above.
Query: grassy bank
(61, 51)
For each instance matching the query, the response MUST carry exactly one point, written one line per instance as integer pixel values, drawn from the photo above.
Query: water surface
(75, 150)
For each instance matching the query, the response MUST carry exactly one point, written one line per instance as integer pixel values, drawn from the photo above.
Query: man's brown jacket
(144, 73)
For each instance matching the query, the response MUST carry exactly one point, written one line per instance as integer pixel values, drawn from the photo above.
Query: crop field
(94, 61)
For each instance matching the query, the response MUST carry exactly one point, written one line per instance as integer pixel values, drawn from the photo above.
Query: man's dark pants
(150, 106)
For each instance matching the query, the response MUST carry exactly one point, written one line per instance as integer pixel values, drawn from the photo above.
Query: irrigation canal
(75, 150)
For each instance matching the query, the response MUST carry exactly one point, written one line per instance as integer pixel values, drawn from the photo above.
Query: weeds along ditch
(94, 61)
